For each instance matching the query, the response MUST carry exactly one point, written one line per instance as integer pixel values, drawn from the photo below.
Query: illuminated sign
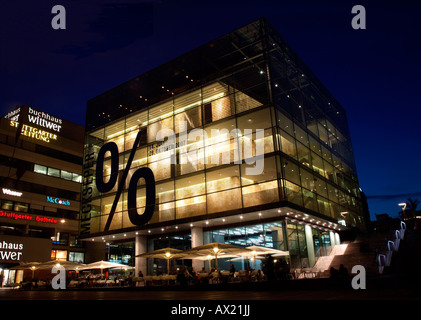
(34, 133)
(58, 201)
(87, 188)
(20, 248)
(24, 216)
(14, 255)
(13, 115)
(44, 120)
(11, 192)
(141, 173)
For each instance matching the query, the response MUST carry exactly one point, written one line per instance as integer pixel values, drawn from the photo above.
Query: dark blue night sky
(373, 73)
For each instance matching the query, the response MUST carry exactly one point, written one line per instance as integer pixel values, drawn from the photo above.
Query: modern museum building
(236, 141)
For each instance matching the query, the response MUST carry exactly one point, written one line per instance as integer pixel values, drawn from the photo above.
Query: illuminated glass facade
(252, 87)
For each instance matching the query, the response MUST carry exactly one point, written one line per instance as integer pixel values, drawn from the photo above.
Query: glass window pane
(137, 120)
(22, 207)
(267, 141)
(161, 111)
(301, 135)
(251, 174)
(155, 127)
(285, 123)
(326, 154)
(66, 175)
(77, 257)
(256, 120)
(311, 124)
(288, 145)
(310, 200)
(329, 171)
(321, 187)
(190, 186)
(223, 179)
(161, 169)
(291, 171)
(61, 255)
(54, 172)
(129, 140)
(222, 107)
(188, 120)
(77, 177)
(332, 192)
(317, 163)
(261, 193)
(303, 154)
(114, 130)
(245, 102)
(293, 193)
(315, 146)
(40, 169)
(323, 133)
(187, 101)
(307, 179)
(190, 207)
(166, 196)
(224, 200)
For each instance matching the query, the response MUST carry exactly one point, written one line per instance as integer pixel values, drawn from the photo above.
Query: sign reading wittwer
(12, 192)
(11, 251)
(17, 249)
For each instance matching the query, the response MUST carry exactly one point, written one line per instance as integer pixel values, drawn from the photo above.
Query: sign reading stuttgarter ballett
(188, 150)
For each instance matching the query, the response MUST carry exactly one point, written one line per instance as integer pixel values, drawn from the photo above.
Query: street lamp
(403, 205)
(343, 214)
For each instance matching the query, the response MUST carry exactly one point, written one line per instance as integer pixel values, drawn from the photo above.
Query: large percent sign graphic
(145, 173)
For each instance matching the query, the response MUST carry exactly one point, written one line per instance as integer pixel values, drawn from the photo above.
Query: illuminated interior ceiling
(220, 223)
(194, 99)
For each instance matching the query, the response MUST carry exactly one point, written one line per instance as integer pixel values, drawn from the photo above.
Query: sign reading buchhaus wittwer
(236, 141)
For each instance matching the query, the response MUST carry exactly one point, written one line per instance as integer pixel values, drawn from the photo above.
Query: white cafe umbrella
(26, 265)
(213, 249)
(165, 253)
(67, 265)
(48, 265)
(102, 265)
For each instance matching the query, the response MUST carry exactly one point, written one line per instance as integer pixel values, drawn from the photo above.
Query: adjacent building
(246, 147)
(40, 183)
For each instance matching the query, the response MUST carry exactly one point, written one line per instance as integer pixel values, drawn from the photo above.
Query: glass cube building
(255, 151)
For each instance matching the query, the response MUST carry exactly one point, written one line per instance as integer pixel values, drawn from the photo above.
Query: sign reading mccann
(58, 201)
